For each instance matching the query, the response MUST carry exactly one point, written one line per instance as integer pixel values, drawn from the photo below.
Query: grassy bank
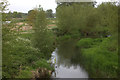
(98, 57)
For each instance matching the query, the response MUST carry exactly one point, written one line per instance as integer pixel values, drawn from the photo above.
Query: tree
(109, 18)
(3, 7)
(43, 38)
(9, 15)
(90, 21)
(17, 14)
(75, 17)
(31, 16)
(49, 13)
(7, 36)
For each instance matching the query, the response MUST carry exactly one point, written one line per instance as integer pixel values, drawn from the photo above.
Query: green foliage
(66, 17)
(20, 52)
(42, 63)
(102, 61)
(74, 21)
(25, 74)
(109, 17)
(43, 38)
(16, 15)
(31, 16)
(6, 50)
(85, 43)
(49, 13)
(77, 17)
(65, 37)
(88, 21)
(88, 42)
(3, 5)
(19, 55)
(91, 25)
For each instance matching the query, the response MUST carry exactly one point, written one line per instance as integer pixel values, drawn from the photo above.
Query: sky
(26, 5)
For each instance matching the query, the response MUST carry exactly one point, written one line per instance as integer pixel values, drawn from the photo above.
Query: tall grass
(98, 59)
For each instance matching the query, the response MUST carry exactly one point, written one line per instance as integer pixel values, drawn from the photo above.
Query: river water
(64, 69)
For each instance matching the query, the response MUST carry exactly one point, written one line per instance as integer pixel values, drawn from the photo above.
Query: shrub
(85, 43)
(65, 37)
(25, 74)
(42, 63)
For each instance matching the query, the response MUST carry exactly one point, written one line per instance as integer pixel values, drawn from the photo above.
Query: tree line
(88, 20)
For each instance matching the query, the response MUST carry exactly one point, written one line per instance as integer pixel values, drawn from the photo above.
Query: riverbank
(98, 57)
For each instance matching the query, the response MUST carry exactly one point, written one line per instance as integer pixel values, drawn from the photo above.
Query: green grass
(97, 58)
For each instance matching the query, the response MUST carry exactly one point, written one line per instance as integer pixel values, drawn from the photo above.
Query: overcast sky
(26, 5)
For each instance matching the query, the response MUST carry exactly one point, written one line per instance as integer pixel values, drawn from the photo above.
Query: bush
(42, 63)
(25, 74)
(85, 42)
(20, 52)
(65, 37)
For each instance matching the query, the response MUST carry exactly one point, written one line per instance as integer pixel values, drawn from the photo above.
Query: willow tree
(76, 17)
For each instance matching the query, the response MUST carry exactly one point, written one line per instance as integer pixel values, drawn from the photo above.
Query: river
(64, 69)
(66, 63)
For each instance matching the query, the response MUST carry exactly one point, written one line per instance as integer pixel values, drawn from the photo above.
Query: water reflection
(67, 61)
